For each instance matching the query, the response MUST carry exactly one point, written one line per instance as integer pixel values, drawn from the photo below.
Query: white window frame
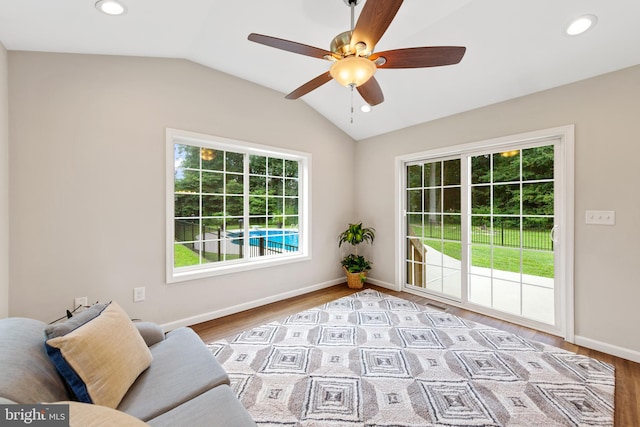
(565, 211)
(176, 136)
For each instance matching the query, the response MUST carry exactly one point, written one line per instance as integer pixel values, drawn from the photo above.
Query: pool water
(273, 237)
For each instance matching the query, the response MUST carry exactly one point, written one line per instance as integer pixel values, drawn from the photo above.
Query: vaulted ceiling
(514, 47)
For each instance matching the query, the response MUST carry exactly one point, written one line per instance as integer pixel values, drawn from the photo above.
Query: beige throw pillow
(101, 358)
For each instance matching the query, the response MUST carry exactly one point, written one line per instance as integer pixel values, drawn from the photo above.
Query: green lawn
(184, 256)
(536, 263)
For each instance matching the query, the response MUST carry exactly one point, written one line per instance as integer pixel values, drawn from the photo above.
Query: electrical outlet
(138, 294)
(601, 217)
(80, 301)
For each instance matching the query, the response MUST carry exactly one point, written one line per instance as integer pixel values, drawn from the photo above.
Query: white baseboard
(204, 317)
(611, 349)
(382, 284)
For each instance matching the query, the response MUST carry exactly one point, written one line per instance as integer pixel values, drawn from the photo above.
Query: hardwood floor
(627, 394)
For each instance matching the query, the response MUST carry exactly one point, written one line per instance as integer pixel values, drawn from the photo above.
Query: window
(233, 206)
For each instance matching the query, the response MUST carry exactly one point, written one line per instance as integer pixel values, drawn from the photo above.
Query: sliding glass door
(479, 229)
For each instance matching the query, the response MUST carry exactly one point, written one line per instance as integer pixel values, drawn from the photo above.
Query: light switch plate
(601, 217)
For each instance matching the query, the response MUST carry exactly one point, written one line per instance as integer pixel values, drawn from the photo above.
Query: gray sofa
(184, 386)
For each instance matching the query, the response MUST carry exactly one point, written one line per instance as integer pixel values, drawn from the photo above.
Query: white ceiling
(514, 47)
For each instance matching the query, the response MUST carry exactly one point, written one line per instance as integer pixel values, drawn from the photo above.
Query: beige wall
(87, 183)
(605, 111)
(4, 186)
(88, 174)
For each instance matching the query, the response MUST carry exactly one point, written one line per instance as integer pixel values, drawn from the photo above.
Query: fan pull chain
(351, 86)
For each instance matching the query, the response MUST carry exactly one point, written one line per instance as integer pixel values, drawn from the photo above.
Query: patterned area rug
(371, 359)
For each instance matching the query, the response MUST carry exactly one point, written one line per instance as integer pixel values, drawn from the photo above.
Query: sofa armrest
(151, 332)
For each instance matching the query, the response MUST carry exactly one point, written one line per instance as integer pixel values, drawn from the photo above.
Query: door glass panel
(451, 172)
(414, 176)
(414, 225)
(481, 199)
(451, 230)
(481, 169)
(506, 166)
(432, 174)
(506, 296)
(451, 200)
(433, 204)
(480, 290)
(506, 199)
(537, 236)
(506, 262)
(537, 163)
(434, 259)
(432, 200)
(481, 230)
(415, 267)
(506, 232)
(414, 200)
(537, 301)
(537, 198)
(511, 217)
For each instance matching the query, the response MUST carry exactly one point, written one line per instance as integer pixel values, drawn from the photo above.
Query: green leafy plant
(354, 235)
(356, 263)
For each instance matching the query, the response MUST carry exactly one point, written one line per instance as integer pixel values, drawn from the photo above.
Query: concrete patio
(520, 294)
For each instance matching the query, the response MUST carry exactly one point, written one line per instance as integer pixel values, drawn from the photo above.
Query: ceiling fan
(354, 62)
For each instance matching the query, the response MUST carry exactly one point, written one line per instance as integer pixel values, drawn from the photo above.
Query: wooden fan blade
(310, 85)
(371, 92)
(289, 46)
(375, 18)
(420, 57)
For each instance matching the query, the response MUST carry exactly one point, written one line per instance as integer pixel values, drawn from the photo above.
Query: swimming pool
(274, 237)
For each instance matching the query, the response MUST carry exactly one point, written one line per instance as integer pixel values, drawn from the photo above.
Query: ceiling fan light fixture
(510, 153)
(352, 71)
(581, 25)
(111, 7)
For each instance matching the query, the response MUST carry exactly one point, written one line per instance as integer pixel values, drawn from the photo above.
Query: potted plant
(354, 265)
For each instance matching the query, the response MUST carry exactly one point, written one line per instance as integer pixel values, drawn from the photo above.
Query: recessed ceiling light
(581, 24)
(111, 7)
(365, 108)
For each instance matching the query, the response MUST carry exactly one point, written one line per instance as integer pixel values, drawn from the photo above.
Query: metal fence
(189, 234)
(260, 246)
(499, 235)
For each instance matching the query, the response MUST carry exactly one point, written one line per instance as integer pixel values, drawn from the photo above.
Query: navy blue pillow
(72, 379)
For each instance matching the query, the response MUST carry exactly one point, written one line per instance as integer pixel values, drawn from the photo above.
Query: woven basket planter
(354, 280)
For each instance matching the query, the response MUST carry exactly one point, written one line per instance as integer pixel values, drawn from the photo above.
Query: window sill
(199, 273)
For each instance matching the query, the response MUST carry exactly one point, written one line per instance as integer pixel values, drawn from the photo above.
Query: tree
(503, 171)
(216, 179)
